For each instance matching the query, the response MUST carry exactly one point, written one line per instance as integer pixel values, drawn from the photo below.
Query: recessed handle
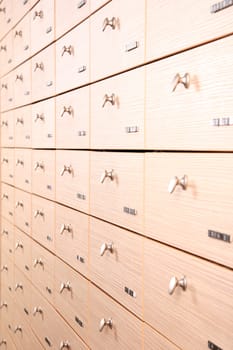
(39, 66)
(109, 22)
(39, 14)
(107, 174)
(38, 262)
(39, 165)
(67, 49)
(19, 245)
(37, 310)
(105, 323)
(3, 304)
(109, 98)
(65, 285)
(65, 345)
(39, 117)
(175, 282)
(106, 247)
(68, 110)
(178, 79)
(18, 33)
(175, 181)
(67, 169)
(19, 121)
(18, 329)
(19, 77)
(18, 286)
(4, 268)
(67, 228)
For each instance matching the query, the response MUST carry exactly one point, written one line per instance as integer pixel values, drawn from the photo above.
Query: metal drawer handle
(38, 14)
(39, 117)
(18, 33)
(5, 232)
(3, 9)
(111, 99)
(19, 204)
(5, 196)
(38, 262)
(107, 174)
(37, 309)
(68, 110)
(3, 342)
(39, 165)
(19, 77)
(106, 247)
(67, 228)
(109, 22)
(185, 80)
(69, 49)
(18, 286)
(175, 181)
(19, 162)
(18, 329)
(3, 304)
(69, 170)
(174, 282)
(3, 48)
(104, 322)
(19, 121)
(65, 345)
(19, 245)
(39, 66)
(4, 268)
(4, 123)
(38, 213)
(66, 285)
(4, 86)
(5, 160)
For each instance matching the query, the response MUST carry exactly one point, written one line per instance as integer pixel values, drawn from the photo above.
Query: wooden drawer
(7, 92)
(169, 31)
(125, 331)
(23, 211)
(23, 166)
(43, 177)
(7, 129)
(97, 4)
(71, 238)
(7, 273)
(72, 119)
(43, 221)
(6, 336)
(8, 202)
(113, 263)
(21, 8)
(43, 124)
(23, 127)
(117, 111)
(181, 119)
(71, 298)
(7, 168)
(153, 340)
(206, 302)
(116, 186)
(6, 312)
(72, 179)
(117, 23)
(50, 328)
(42, 25)
(43, 74)
(72, 58)
(7, 238)
(43, 271)
(75, 13)
(22, 252)
(5, 16)
(200, 216)
(22, 84)
(21, 41)
(6, 54)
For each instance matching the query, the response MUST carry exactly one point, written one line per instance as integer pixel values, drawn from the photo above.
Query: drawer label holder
(130, 292)
(79, 322)
(212, 346)
(220, 236)
(221, 5)
(130, 211)
(224, 121)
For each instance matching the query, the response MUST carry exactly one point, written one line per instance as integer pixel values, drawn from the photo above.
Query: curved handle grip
(3, 342)
(178, 79)
(175, 181)
(39, 165)
(19, 121)
(69, 49)
(38, 262)
(104, 247)
(37, 309)
(19, 204)
(39, 66)
(109, 98)
(38, 213)
(112, 22)
(67, 228)
(174, 282)
(39, 14)
(4, 123)
(105, 323)
(65, 345)
(19, 162)
(18, 33)
(3, 304)
(67, 169)
(18, 286)
(107, 174)
(68, 110)
(19, 77)
(4, 268)
(65, 285)
(18, 329)
(19, 245)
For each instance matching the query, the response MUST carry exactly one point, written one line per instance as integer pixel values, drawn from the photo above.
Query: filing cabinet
(7, 129)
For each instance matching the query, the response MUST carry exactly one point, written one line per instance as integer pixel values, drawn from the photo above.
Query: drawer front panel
(23, 123)
(97, 4)
(200, 216)
(117, 112)
(22, 84)
(7, 129)
(22, 253)
(8, 202)
(7, 92)
(200, 295)
(8, 238)
(116, 257)
(6, 54)
(117, 188)
(20, 8)
(6, 16)
(72, 119)
(7, 168)
(71, 239)
(43, 221)
(72, 179)
(153, 340)
(21, 41)
(23, 166)
(23, 211)
(7, 273)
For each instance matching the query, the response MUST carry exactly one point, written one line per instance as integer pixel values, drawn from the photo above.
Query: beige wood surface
(118, 123)
(126, 331)
(7, 92)
(71, 243)
(193, 317)
(20, 8)
(23, 252)
(43, 79)
(109, 199)
(97, 4)
(21, 41)
(7, 202)
(7, 274)
(6, 17)
(153, 340)
(69, 64)
(107, 58)
(23, 211)
(7, 129)
(22, 295)
(72, 303)
(173, 26)
(7, 165)
(6, 54)
(22, 84)
(43, 221)
(205, 205)
(23, 122)
(120, 268)
(72, 119)
(43, 177)
(72, 188)
(43, 124)
(23, 168)
(42, 26)
(7, 314)
(7, 238)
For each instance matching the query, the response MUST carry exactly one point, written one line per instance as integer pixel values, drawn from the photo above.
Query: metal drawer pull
(5, 196)
(19, 77)
(66, 285)
(4, 160)
(3, 9)
(3, 341)
(39, 66)
(5, 232)
(174, 282)
(38, 213)
(18, 286)
(19, 162)
(109, 22)
(4, 123)
(104, 322)
(4, 267)
(69, 49)
(19, 121)
(65, 345)
(39, 117)
(38, 14)
(18, 33)
(185, 80)
(68, 110)
(3, 48)
(39, 165)
(104, 247)
(3, 304)
(107, 174)
(4, 86)
(69, 169)
(38, 262)
(37, 309)
(110, 99)
(175, 181)
(19, 204)
(18, 329)
(19, 245)
(67, 228)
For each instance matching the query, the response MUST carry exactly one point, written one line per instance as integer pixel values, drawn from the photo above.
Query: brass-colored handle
(5, 196)
(19, 204)
(109, 98)
(178, 79)
(4, 268)
(3, 342)
(67, 169)
(4, 123)
(19, 77)
(18, 286)
(19, 121)
(175, 181)
(39, 66)
(38, 213)
(67, 228)
(38, 262)
(174, 282)
(105, 323)
(65, 285)
(107, 174)
(4, 86)
(19, 245)
(18, 329)
(3, 304)
(39, 117)
(37, 309)
(65, 345)
(39, 165)
(68, 110)
(38, 14)
(19, 162)
(106, 247)
(18, 33)
(3, 48)
(69, 49)
(109, 22)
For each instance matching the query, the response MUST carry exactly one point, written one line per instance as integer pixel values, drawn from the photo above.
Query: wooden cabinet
(7, 129)
(21, 40)
(23, 166)
(22, 84)
(23, 122)
(7, 161)
(23, 210)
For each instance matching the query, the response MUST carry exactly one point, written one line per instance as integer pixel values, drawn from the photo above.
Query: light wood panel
(154, 340)
(21, 40)
(7, 202)
(23, 168)
(23, 121)
(22, 84)
(22, 252)
(7, 238)
(7, 129)
(23, 211)
(7, 92)
(7, 165)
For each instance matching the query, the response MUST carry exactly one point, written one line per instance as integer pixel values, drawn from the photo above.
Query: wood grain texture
(188, 318)
(22, 296)
(96, 4)
(7, 92)
(7, 238)
(7, 129)
(23, 168)
(23, 211)
(23, 125)
(154, 340)
(7, 165)
(21, 43)
(7, 274)
(7, 202)
(23, 252)
(22, 84)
